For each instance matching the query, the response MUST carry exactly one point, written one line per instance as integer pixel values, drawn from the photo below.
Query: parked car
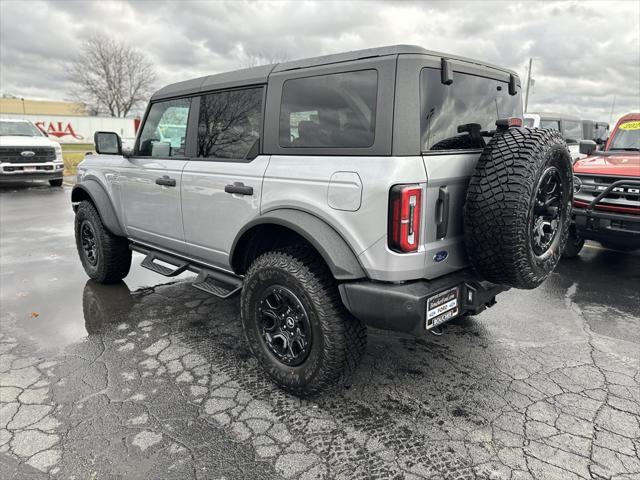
(570, 128)
(606, 199)
(596, 131)
(390, 187)
(26, 153)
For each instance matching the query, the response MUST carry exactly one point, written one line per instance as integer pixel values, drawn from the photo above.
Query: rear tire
(291, 294)
(518, 207)
(105, 257)
(56, 182)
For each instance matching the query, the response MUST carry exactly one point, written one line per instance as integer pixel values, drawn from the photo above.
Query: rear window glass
(458, 116)
(329, 111)
(229, 123)
(528, 122)
(572, 131)
(550, 124)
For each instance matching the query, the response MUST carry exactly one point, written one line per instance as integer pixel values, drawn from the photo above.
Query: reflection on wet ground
(144, 380)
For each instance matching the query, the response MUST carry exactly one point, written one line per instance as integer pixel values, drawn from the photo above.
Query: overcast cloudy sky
(584, 52)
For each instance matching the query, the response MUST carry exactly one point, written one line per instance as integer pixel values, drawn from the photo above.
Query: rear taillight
(404, 218)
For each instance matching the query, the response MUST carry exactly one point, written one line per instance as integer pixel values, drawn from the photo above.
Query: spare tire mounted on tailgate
(518, 207)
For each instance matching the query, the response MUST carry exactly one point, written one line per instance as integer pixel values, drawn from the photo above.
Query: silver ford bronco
(393, 187)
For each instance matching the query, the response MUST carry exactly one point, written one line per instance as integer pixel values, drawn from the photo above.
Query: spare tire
(518, 207)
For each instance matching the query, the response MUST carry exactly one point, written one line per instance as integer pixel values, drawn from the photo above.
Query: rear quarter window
(329, 111)
(572, 131)
(457, 116)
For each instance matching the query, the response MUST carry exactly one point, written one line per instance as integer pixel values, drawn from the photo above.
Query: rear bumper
(403, 306)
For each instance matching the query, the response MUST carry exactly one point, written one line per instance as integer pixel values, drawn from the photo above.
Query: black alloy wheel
(548, 212)
(284, 325)
(89, 244)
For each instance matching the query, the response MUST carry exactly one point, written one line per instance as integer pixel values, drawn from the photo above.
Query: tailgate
(447, 179)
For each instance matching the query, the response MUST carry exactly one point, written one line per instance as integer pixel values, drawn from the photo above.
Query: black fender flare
(335, 251)
(99, 197)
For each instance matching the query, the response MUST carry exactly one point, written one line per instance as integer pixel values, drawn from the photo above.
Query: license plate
(28, 169)
(442, 307)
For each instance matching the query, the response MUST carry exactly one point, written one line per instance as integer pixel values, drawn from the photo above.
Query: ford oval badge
(441, 256)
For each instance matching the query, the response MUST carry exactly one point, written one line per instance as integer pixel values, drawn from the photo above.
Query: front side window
(229, 123)
(329, 111)
(460, 116)
(165, 130)
(572, 131)
(550, 124)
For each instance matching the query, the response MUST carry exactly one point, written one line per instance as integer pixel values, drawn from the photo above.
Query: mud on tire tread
(344, 336)
(499, 206)
(114, 255)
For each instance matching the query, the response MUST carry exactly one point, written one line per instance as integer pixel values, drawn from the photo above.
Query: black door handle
(239, 188)
(442, 213)
(166, 181)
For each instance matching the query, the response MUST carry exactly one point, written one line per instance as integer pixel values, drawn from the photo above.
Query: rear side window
(229, 123)
(528, 122)
(329, 111)
(458, 116)
(572, 131)
(164, 133)
(550, 124)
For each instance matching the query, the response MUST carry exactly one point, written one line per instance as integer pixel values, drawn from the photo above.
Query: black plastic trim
(102, 202)
(402, 307)
(335, 251)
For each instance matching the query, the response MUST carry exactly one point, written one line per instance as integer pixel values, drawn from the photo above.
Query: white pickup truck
(26, 153)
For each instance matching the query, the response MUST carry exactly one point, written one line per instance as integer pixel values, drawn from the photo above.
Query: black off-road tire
(112, 258)
(339, 339)
(56, 182)
(501, 198)
(574, 244)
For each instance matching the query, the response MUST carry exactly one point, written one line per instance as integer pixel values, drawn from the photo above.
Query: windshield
(572, 131)
(459, 116)
(20, 129)
(627, 137)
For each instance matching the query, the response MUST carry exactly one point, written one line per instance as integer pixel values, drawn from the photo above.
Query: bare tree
(254, 59)
(111, 77)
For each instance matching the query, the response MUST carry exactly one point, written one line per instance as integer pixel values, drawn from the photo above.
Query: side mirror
(587, 147)
(107, 143)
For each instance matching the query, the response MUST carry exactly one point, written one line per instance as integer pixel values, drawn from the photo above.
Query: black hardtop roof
(260, 75)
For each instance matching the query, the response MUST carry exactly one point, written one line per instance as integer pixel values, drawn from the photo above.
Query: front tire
(295, 322)
(105, 257)
(574, 244)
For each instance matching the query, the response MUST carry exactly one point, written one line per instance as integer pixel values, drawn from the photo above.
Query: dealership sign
(58, 129)
(77, 129)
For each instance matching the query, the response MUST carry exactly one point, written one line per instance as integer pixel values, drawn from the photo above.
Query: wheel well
(78, 195)
(260, 239)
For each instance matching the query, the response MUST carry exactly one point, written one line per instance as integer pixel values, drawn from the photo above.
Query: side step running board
(219, 284)
(150, 263)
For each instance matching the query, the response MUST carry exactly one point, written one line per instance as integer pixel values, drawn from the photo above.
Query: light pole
(526, 98)
(24, 112)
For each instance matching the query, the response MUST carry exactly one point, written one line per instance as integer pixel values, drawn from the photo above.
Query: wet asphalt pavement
(149, 379)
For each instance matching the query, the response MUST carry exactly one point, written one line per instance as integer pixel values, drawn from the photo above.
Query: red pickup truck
(606, 198)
